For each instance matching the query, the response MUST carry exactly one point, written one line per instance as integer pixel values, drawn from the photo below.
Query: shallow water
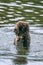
(11, 12)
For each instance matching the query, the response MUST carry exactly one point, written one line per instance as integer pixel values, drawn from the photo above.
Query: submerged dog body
(22, 34)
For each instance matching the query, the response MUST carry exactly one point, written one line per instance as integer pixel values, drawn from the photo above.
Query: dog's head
(21, 28)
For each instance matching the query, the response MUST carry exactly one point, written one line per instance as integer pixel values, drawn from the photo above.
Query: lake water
(12, 11)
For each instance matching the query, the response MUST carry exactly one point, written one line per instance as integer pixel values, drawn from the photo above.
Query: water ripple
(28, 10)
(37, 30)
(41, 1)
(36, 6)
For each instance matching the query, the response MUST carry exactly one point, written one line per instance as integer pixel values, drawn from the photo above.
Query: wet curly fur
(22, 33)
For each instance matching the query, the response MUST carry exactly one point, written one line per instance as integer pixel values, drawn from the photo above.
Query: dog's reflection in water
(22, 41)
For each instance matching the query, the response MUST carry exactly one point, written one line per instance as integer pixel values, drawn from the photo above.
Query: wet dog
(22, 34)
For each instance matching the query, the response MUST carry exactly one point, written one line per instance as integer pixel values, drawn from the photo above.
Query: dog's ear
(15, 29)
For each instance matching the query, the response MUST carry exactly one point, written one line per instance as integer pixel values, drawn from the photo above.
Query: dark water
(12, 11)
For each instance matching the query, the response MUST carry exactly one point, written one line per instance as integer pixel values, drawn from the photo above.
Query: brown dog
(22, 34)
